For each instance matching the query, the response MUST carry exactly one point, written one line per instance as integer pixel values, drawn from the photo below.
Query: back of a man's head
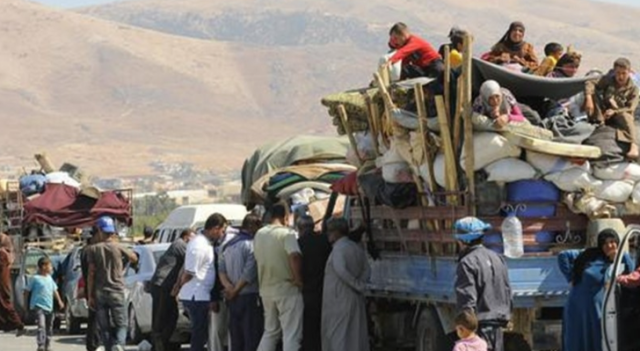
(279, 213)
(251, 223)
(216, 220)
(305, 225)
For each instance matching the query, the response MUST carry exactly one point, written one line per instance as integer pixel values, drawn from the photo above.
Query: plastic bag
(547, 164)
(616, 191)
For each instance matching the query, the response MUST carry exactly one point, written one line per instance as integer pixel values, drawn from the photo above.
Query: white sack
(574, 179)
(62, 178)
(547, 164)
(395, 70)
(488, 148)
(509, 170)
(616, 191)
(394, 168)
(619, 171)
(635, 195)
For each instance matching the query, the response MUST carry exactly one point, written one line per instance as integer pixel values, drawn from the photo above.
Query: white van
(194, 216)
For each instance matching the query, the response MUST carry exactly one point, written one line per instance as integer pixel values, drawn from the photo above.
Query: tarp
(63, 206)
(526, 85)
(288, 152)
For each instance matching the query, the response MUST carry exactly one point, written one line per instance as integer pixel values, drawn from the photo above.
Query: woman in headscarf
(9, 318)
(498, 104)
(512, 49)
(588, 275)
(567, 66)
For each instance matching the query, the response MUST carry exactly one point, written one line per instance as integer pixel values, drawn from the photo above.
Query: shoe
(117, 348)
(101, 348)
(21, 332)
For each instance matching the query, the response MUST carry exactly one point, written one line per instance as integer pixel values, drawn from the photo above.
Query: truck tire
(515, 342)
(429, 333)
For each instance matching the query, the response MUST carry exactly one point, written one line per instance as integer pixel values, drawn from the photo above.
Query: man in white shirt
(198, 280)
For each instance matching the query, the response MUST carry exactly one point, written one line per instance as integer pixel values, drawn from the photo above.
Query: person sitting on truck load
(553, 53)
(466, 327)
(498, 104)
(456, 36)
(512, 49)
(419, 58)
(613, 101)
(587, 273)
(567, 66)
(482, 282)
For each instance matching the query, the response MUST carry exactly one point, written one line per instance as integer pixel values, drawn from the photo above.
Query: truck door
(28, 267)
(611, 314)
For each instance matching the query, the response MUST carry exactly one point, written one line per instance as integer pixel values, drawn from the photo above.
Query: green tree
(151, 211)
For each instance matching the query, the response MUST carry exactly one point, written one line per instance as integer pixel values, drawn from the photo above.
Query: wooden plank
(413, 213)
(553, 148)
(457, 116)
(342, 112)
(450, 159)
(468, 124)
(422, 116)
(372, 115)
(447, 82)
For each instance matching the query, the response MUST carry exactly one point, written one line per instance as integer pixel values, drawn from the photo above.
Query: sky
(80, 3)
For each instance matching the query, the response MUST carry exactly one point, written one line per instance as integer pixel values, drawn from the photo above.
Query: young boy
(466, 326)
(553, 52)
(39, 297)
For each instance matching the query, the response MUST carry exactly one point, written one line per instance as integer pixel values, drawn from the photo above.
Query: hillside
(117, 86)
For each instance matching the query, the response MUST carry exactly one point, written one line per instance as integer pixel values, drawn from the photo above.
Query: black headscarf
(592, 254)
(506, 38)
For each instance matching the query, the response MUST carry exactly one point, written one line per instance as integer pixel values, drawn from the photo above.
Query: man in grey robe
(344, 319)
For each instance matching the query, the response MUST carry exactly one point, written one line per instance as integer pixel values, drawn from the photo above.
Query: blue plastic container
(543, 240)
(528, 192)
(493, 241)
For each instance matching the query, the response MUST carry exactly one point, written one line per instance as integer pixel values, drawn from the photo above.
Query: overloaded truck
(424, 159)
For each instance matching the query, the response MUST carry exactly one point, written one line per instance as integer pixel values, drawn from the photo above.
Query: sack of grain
(488, 148)
(509, 170)
(616, 191)
(573, 179)
(618, 171)
(547, 164)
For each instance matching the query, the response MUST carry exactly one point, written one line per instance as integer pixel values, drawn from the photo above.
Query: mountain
(116, 86)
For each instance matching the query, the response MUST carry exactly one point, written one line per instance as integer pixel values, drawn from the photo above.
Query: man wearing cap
(106, 284)
(612, 101)
(482, 282)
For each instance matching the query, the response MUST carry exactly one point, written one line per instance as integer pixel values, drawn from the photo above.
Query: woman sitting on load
(498, 104)
(512, 49)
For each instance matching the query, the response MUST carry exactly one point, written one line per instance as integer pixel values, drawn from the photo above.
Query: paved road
(27, 342)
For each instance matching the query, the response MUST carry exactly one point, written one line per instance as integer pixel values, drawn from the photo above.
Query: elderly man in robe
(344, 318)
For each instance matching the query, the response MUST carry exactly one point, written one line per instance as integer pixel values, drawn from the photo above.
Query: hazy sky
(79, 3)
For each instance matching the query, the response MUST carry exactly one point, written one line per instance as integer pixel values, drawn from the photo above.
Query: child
(39, 297)
(466, 326)
(553, 52)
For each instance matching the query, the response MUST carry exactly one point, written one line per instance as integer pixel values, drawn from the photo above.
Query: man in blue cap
(106, 284)
(482, 282)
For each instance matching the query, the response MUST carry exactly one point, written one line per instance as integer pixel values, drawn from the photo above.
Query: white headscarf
(488, 89)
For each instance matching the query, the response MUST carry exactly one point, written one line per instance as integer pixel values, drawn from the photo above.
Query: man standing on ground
(315, 248)
(198, 279)
(344, 311)
(219, 325)
(106, 284)
(239, 276)
(165, 306)
(482, 282)
(9, 319)
(279, 274)
(92, 341)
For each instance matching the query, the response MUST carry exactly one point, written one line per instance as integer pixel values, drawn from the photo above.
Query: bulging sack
(635, 195)
(573, 180)
(488, 148)
(616, 191)
(509, 170)
(618, 171)
(547, 164)
(438, 171)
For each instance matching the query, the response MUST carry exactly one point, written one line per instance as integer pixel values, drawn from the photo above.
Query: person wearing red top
(419, 58)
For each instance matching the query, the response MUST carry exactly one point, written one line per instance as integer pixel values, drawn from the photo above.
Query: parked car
(139, 301)
(72, 292)
(193, 217)
(28, 268)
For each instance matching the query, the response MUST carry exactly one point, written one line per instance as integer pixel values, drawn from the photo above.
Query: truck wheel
(515, 342)
(429, 333)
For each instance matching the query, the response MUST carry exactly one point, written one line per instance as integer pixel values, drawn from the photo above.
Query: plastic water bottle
(512, 236)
